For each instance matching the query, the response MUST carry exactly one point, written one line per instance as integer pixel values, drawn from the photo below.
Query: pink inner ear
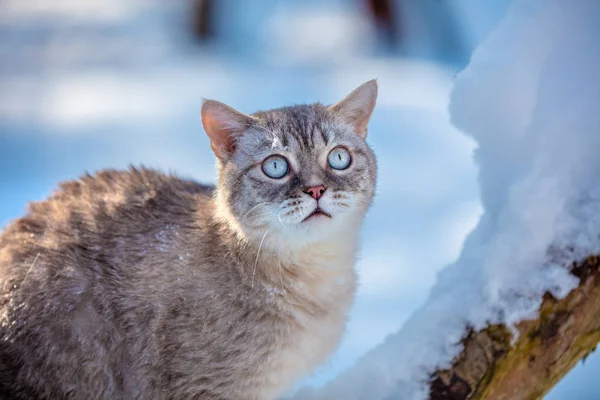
(223, 125)
(221, 141)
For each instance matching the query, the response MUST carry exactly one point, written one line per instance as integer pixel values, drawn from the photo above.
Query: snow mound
(531, 99)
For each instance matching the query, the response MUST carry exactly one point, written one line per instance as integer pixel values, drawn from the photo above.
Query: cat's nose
(316, 191)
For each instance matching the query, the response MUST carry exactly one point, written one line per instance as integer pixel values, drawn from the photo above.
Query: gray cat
(139, 285)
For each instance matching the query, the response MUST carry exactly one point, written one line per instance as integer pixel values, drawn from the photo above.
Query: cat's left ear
(357, 107)
(223, 126)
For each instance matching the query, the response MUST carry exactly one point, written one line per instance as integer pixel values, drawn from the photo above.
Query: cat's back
(101, 224)
(109, 204)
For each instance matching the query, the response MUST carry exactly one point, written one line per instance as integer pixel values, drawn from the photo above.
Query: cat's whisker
(258, 216)
(279, 218)
(257, 255)
(257, 206)
(29, 270)
(281, 276)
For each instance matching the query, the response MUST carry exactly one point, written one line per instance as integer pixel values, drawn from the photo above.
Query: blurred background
(91, 84)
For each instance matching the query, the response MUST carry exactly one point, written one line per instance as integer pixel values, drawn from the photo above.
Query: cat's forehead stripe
(323, 135)
(298, 123)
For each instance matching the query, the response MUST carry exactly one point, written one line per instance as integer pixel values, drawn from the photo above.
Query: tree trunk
(491, 367)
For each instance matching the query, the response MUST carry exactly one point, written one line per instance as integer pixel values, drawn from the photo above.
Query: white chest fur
(318, 309)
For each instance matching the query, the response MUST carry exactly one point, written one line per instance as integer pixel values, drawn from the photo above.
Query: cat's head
(295, 174)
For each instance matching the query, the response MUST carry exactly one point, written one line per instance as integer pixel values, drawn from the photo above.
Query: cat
(139, 285)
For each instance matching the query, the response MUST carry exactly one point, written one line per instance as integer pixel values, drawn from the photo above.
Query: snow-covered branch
(492, 365)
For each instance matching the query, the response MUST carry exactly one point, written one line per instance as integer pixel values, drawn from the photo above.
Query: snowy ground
(89, 85)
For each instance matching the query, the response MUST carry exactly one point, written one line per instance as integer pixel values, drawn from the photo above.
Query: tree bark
(493, 366)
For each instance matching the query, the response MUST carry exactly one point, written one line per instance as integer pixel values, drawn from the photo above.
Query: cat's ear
(223, 125)
(356, 108)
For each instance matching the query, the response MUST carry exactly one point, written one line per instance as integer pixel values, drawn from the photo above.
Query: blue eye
(339, 158)
(275, 167)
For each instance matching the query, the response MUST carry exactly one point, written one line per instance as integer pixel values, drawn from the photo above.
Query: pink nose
(316, 191)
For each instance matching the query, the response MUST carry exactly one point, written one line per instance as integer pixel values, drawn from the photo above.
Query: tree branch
(491, 367)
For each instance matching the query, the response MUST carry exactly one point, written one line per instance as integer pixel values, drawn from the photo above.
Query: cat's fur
(138, 285)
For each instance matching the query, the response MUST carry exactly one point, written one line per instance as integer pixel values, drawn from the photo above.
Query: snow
(530, 99)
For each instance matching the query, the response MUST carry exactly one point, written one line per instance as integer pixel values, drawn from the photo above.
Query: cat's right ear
(357, 107)
(223, 125)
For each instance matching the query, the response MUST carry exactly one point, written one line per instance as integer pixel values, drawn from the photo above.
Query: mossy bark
(491, 367)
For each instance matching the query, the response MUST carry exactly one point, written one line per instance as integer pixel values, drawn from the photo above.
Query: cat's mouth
(316, 214)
